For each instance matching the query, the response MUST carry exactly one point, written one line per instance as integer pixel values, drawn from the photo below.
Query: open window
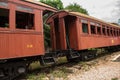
(111, 31)
(108, 31)
(103, 30)
(98, 29)
(4, 18)
(114, 31)
(117, 32)
(24, 20)
(92, 27)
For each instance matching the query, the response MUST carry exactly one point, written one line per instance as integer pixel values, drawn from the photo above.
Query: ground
(106, 67)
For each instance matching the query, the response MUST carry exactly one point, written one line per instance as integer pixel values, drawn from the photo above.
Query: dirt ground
(105, 68)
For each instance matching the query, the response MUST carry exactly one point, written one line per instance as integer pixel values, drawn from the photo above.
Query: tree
(54, 3)
(76, 8)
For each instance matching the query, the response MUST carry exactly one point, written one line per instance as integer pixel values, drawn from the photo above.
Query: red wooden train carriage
(79, 32)
(21, 28)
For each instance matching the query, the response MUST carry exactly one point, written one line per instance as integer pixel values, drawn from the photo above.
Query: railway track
(47, 69)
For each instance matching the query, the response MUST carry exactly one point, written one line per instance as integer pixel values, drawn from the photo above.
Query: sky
(106, 10)
(102, 9)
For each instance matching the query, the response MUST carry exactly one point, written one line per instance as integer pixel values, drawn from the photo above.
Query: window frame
(108, 30)
(111, 31)
(7, 8)
(92, 23)
(98, 30)
(104, 30)
(24, 11)
(83, 21)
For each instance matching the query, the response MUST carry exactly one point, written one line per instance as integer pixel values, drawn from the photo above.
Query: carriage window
(114, 32)
(103, 30)
(99, 30)
(108, 33)
(4, 18)
(111, 32)
(117, 33)
(24, 20)
(84, 27)
(92, 27)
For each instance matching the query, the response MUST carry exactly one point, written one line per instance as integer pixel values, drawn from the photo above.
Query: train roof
(90, 17)
(85, 16)
(40, 4)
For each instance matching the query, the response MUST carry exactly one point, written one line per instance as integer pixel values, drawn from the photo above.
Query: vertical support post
(80, 26)
(78, 31)
(12, 16)
(38, 24)
(38, 20)
(53, 38)
(62, 33)
(89, 29)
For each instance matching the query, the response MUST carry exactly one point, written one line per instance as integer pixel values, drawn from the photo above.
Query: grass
(62, 60)
(114, 79)
(37, 72)
(33, 76)
(60, 72)
(40, 73)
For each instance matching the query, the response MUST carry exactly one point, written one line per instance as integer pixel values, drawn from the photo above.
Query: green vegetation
(76, 8)
(114, 79)
(34, 76)
(54, 3)
(60, 72)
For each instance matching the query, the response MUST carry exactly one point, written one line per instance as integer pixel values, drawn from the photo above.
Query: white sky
(102, 9)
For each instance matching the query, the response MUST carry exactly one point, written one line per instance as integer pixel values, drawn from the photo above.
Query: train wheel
(9, 71)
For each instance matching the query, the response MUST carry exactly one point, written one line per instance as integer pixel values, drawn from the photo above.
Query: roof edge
(41, 4)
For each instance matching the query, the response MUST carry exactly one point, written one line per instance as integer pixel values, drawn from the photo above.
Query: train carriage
(21, 34)
(82, 33)
(21, 28)
(79, 31)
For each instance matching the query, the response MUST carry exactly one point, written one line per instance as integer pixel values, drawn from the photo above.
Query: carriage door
(57, 33)
(70, 28)
(60, 33)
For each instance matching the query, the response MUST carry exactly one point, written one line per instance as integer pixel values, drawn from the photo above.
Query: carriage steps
(47, 59)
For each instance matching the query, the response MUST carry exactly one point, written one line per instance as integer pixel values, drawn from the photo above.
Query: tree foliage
(54, 3)
(76, 8)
